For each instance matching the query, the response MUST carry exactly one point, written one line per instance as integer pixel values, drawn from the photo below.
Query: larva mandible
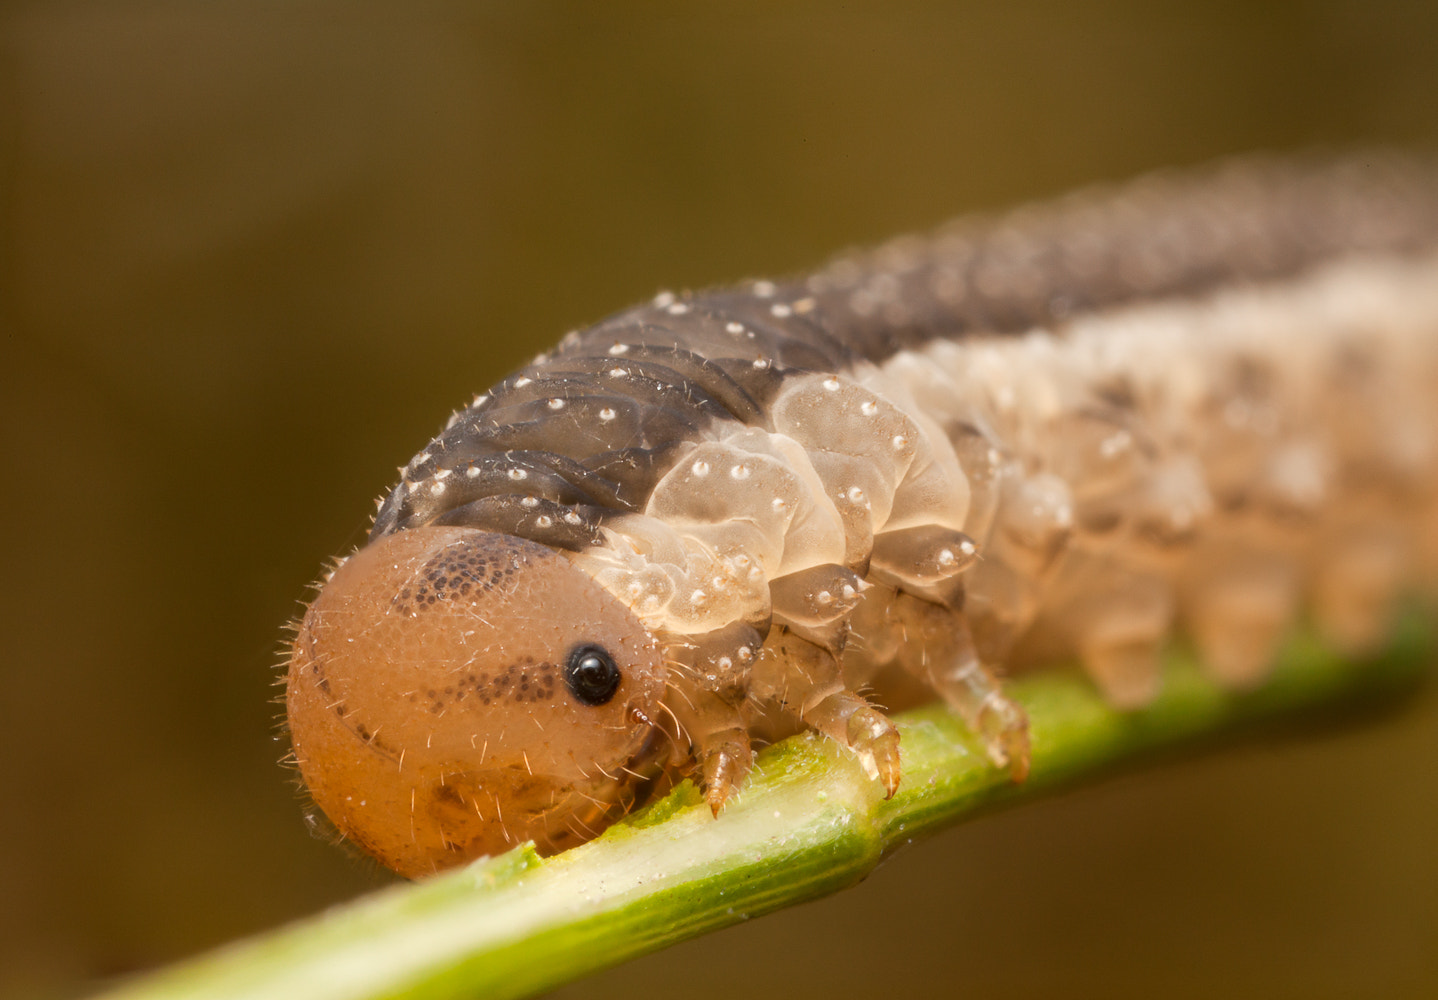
(1202, 400)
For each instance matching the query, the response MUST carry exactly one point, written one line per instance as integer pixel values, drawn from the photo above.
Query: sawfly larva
(1202, 401)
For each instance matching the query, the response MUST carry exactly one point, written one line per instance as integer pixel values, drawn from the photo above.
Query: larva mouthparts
(1202, 402)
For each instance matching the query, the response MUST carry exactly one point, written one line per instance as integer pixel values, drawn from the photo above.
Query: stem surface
(807, 824)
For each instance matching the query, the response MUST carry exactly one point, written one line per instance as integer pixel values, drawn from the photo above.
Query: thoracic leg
(939, 649)
(807, 682)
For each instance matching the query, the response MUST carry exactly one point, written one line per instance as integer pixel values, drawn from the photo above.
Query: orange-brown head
(454, 692)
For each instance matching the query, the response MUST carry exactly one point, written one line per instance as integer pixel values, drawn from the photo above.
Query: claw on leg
(719, 744)
(1004, 729)
(852, 721)
(724, 759)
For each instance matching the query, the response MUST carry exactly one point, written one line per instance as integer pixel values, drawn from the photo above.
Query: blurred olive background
(251, 256)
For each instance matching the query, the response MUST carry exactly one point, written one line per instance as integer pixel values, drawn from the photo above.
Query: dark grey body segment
(589, 429)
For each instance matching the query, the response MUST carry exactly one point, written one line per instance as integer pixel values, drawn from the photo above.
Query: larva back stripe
(1179, 235)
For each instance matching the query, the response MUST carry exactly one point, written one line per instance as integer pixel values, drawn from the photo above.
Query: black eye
(591, 675)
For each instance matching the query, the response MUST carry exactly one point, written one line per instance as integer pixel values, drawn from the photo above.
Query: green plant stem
(808, 824)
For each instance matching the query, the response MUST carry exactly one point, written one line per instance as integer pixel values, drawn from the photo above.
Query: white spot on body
(1115, 444)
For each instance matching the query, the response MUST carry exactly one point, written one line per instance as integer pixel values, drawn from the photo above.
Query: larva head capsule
(455, 692)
